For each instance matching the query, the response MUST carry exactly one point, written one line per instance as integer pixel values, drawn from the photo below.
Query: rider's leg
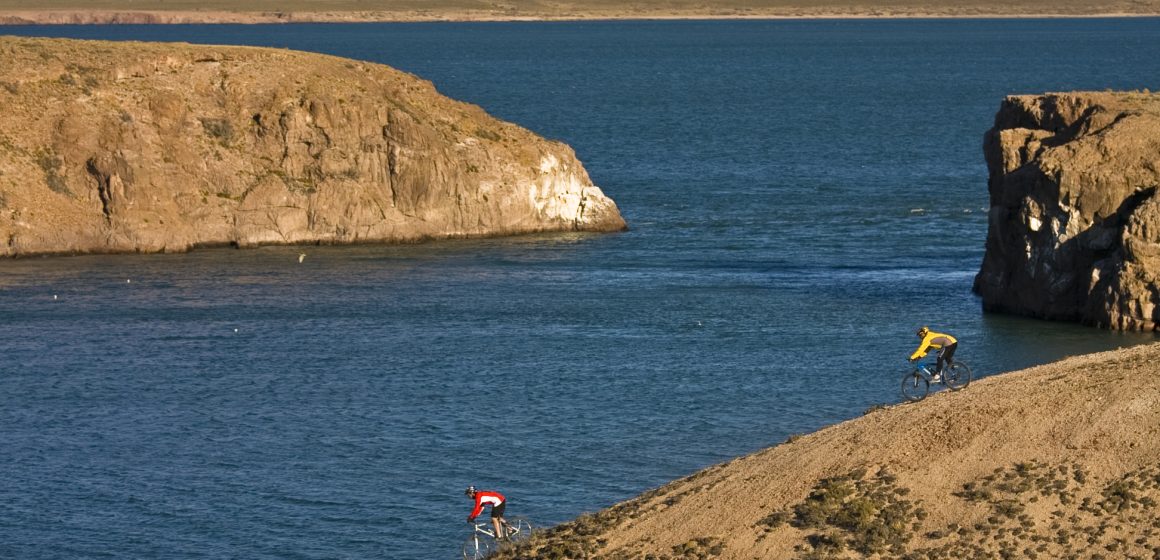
(497, 520)
(948, 354)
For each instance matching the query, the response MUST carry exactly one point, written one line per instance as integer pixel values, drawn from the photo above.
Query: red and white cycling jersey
(485, 498)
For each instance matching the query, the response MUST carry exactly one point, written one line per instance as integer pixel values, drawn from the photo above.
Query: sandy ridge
(1070, 432)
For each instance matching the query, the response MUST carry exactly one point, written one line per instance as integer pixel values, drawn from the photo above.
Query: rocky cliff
(138, 147)
(1074, 230)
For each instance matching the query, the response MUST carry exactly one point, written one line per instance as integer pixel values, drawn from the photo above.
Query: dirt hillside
(1056, 461)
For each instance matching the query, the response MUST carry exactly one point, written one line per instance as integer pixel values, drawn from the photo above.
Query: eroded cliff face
(139, 147)
(1074, 231)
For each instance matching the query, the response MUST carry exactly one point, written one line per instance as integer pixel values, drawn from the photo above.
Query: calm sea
(802, 195)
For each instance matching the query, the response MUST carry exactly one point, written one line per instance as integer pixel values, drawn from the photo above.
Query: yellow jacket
(934, 341)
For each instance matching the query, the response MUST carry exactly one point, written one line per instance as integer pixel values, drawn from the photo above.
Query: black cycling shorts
(497, 511)
(948, 353)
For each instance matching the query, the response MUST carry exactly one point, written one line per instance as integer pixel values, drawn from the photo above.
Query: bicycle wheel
(914, 387)
(957, 376)
(478, 547)
(518, 529)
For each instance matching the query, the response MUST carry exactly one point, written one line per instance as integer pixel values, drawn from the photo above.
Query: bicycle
(482, 541)
(916, 383)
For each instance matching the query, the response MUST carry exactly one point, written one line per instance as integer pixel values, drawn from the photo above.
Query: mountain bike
(916, 383)
(482, 541)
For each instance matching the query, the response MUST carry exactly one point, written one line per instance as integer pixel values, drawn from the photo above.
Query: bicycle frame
(482, 541)
(484, 528)
(955, 376)
(926, 369)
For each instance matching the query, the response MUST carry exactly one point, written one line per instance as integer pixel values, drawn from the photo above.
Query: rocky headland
(140, 147)
(1074, 228)
(1052, 462)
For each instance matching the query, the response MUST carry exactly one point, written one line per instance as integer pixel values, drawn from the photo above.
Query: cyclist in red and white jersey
(488, 498)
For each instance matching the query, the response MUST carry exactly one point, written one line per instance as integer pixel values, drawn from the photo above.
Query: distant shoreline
(166, 17)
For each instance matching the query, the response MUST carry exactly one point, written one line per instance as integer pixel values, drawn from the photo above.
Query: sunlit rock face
(140, 147)
(1074, 229)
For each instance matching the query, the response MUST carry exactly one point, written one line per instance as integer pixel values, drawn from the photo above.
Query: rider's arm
(922, 348)
(478, 506)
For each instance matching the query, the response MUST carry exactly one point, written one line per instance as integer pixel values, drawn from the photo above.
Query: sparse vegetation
(855, 514)
(51, 164)
(221, 129)
(1104, 524)
(858, 516)
(776, 519)
(704, 548)
(488, 135)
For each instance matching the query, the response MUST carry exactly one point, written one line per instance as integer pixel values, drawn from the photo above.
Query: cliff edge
(141, 147)
(1074, 229)
(1055, 461)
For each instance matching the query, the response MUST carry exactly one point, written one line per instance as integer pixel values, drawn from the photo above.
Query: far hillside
(97, 11)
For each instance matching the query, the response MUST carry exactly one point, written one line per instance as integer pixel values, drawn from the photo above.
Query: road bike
(916, 383)
(482, 541)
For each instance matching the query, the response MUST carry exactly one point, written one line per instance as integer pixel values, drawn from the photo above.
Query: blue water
(802, 195)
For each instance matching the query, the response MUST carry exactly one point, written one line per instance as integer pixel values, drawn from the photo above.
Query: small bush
(488, 135)
(220, 129)
(776, 519)
(51, 165)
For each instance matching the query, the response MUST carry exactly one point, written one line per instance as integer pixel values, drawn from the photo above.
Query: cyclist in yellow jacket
(944, 343)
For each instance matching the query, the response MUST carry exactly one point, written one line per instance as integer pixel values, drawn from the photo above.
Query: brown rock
(137, 147)
(1074, 216)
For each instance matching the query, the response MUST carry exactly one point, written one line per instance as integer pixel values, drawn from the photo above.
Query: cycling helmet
(922, 331)
(470, 490)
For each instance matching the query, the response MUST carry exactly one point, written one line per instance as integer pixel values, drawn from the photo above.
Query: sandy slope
(1056, 461)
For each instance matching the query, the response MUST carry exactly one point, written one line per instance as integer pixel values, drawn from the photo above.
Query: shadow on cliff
(1072, 296)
